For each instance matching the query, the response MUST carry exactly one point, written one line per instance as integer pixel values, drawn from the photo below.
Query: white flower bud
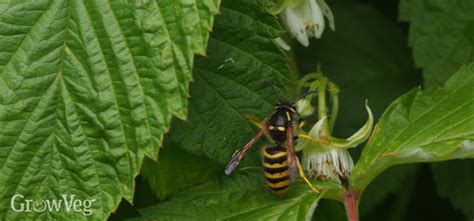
(304, 107)
(304, 19)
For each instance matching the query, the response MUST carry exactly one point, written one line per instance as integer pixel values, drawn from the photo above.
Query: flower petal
(328, 165)
(280, 42)
(295, 25)
(328, 13)
(316, 18)
(315, 131)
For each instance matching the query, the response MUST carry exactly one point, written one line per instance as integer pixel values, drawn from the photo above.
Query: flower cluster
(324, 156)
(303, 19)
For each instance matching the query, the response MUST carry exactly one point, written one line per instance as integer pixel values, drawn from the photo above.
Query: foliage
(441, 33)
(422, 126)
(91, 91)
(456, 174)
(241, 197)
(87, 90)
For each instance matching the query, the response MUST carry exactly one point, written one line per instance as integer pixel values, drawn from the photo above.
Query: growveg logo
(68, 203)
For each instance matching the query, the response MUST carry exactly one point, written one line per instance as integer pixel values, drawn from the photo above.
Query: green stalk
(334, 91)
(322, 107)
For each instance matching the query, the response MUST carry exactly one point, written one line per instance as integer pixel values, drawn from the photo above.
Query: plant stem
(334, 92)
(350, 204)
(350, 200)
(322, 107)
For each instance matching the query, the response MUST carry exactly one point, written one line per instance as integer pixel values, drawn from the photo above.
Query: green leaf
(240, 197)
(329, 210)
(422, 126)
(87, 89)
(176, 170)
(441, 34)
(454, 181)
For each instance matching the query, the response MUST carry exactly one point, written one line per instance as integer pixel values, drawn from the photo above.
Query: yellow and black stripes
(275, 163)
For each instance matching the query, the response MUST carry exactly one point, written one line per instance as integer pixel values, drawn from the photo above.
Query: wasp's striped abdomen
(275, 162)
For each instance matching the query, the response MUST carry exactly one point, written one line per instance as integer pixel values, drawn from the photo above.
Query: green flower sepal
(319, 140)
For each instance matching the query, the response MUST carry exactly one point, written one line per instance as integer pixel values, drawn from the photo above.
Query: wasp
(279, 160)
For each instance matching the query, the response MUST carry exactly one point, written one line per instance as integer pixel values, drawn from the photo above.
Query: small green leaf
(454, 181)
(240, 197)
(397, 181)
(422, 126)
(87, 90)
(441, 34)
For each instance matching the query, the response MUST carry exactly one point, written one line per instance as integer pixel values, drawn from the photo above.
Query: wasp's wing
(294, 165)
(258, 122)
(292, 158)
(240, 154)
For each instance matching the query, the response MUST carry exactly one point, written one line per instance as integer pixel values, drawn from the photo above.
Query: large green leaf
(441, 34)
(229, 82)
(422, 126)
(87, 88)
(240, 197)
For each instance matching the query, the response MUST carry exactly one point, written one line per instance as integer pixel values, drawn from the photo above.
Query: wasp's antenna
(274, 90)
(304, 95)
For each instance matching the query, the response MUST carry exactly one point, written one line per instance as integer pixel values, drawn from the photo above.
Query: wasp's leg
(295, 160)
(303, 176)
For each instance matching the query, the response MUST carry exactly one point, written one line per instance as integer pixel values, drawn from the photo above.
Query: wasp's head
(285, 105)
